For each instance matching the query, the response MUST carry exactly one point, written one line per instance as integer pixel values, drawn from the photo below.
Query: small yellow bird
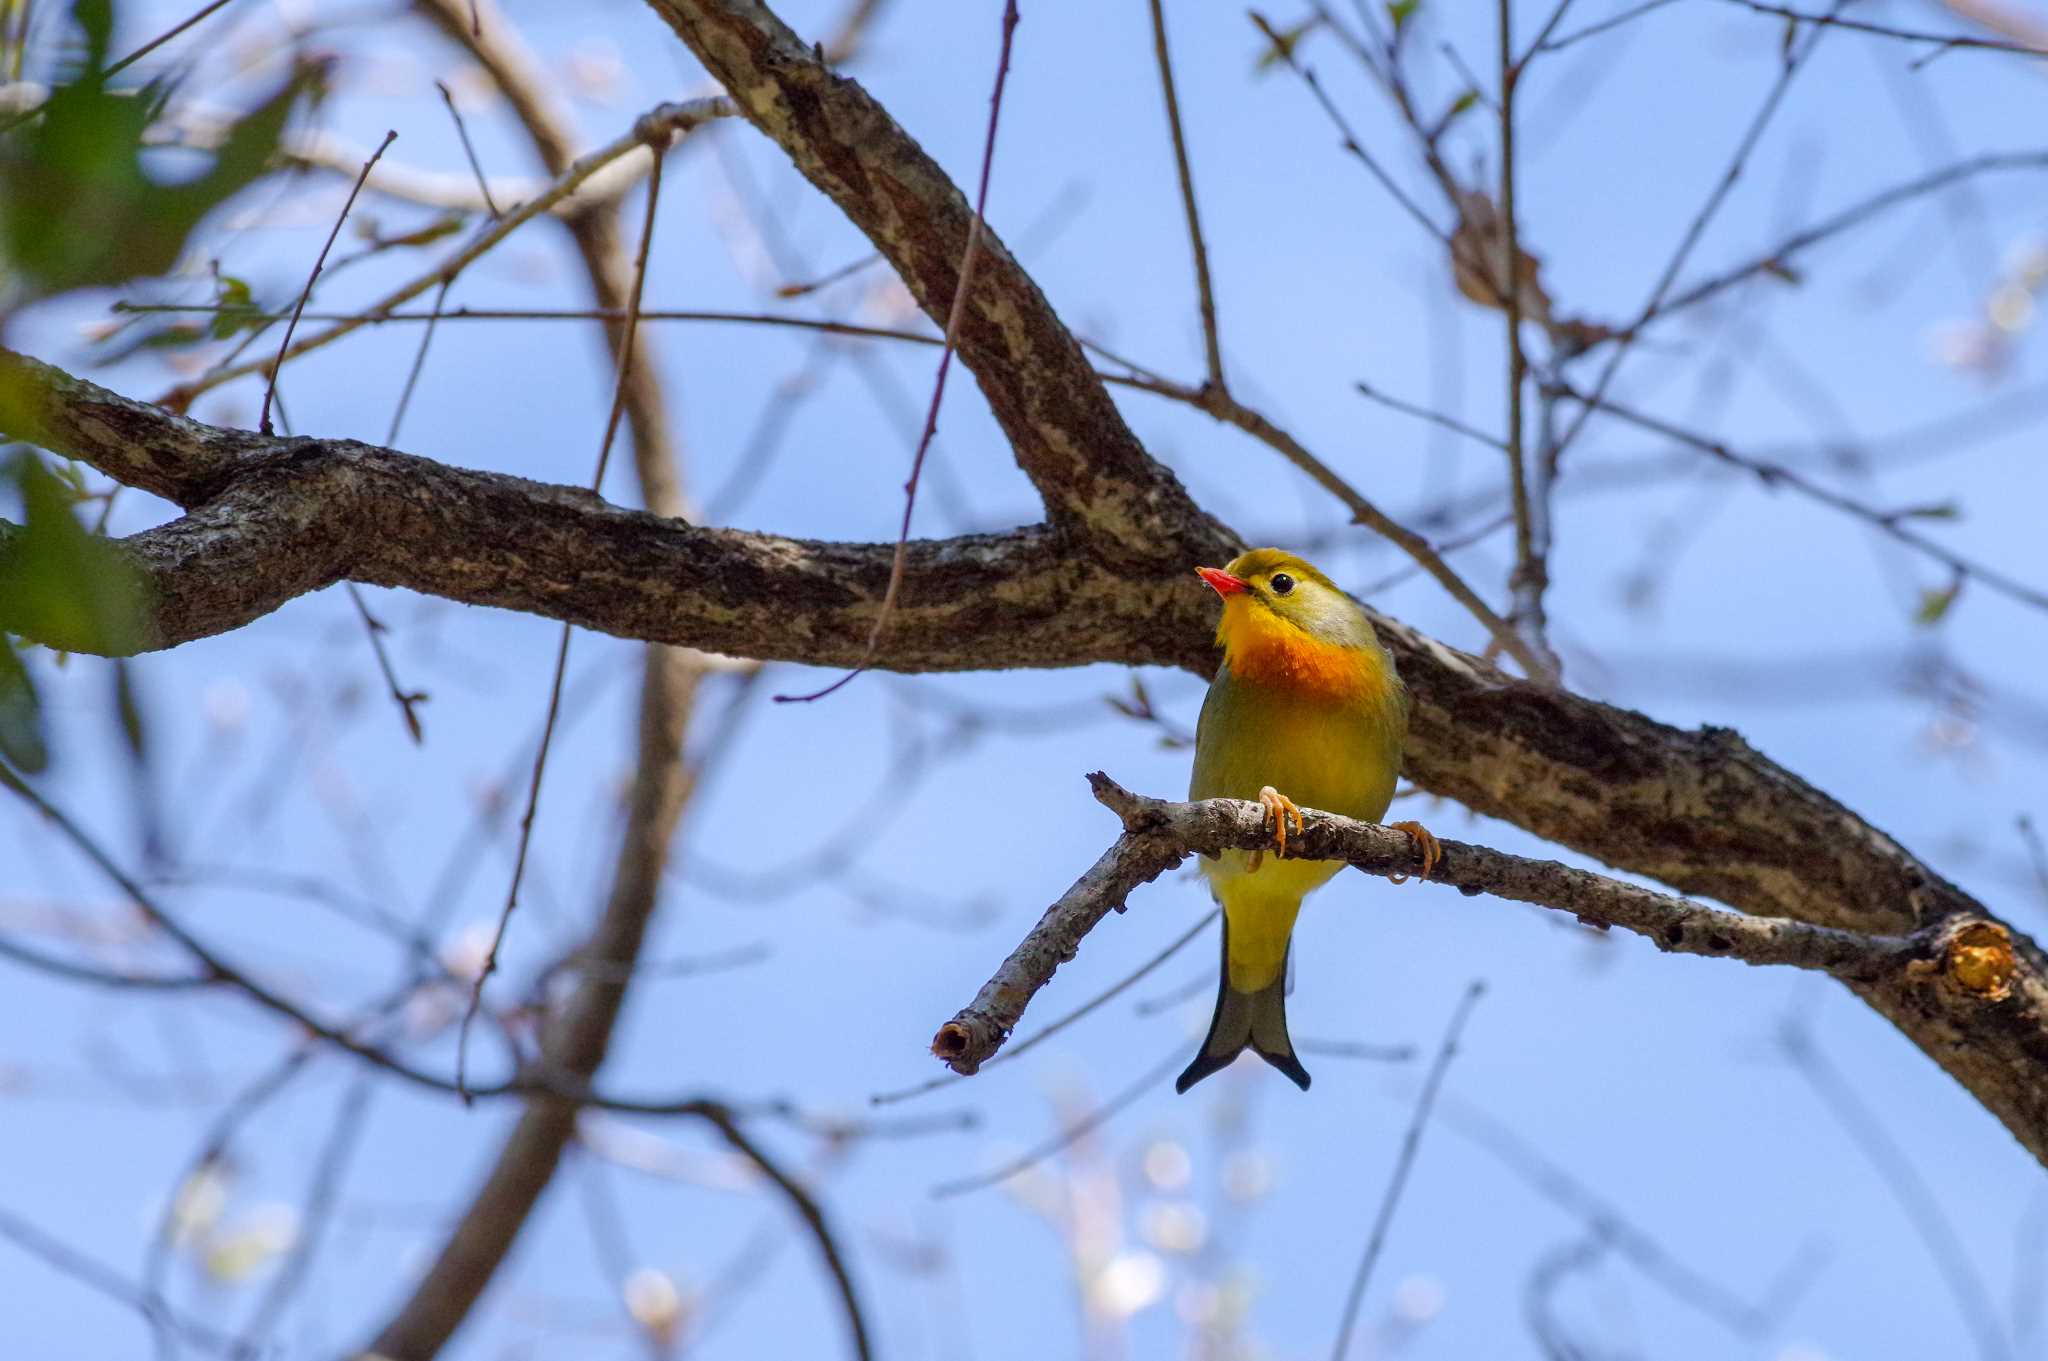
(1306, 701)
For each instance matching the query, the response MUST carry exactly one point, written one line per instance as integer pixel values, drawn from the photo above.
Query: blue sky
(1654, 1081)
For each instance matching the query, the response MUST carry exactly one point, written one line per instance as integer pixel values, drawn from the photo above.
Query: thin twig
(1531, 574)
(1114, 991)
(830, 277)
(160, 39)
(1350, 140)
(1595, 30)
(1795, 59)
(1900, 1177)
(808, 1209)
(1778, 258)
(469, 150)
(1635, 1244)
(406, 700)
(540, 757)
(1071, 1134)
(553, 1083)
(931, 420)
(673, 118)
(270, 388)
(75, 1264)
(1941, 41)
(1478, 533)
(1354, 1049)
(2037, 854)
(1543, 34)
(1893, 522)
(1411, 1144)
(343, 1136)
(1211, 342)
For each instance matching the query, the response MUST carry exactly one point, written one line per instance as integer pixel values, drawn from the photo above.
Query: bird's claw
(1280, 810)
(1426, 845)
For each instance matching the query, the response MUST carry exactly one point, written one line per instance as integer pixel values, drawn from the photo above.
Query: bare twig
(1437, 418)
(1557, 14)
(1109, 994)
(405, 699)
(1900, 1177)
(2037, 854)
(561, 669)
(1895, 523)
(1609, 1221)
(813, 1216)
(1779, 257)
(954, 316)
(673, 118)
(1794, 61)
(1350, 139)
(77, 1265)
(1071, 1134)
(1942, 42)
(270, 388)
(476, 167)
(1628, 15)
(1411, 1145)
(343, 1136)
(1531, 575)
(197, 16)
(1211, 342)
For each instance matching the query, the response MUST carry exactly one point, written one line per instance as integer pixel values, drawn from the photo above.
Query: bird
(1307, 706)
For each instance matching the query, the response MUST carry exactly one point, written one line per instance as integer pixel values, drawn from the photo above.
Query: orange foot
(1279, 811)
(1425, 844)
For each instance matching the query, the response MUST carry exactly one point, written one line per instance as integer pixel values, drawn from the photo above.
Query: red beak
(1222, 582)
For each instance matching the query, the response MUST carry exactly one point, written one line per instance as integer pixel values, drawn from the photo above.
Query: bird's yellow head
(1286, 623)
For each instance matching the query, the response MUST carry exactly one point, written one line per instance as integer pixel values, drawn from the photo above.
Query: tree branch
(1957, 985)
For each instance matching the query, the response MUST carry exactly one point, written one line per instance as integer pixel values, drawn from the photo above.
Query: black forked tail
(1246, 1020)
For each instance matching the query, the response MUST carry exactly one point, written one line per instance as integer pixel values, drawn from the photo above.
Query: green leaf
(59, 584)
(1401, 11)
(77, 208)
(1280, 43)
(238, 310)
(1459, 106)
(1935, 602)
(1934, 510)
(21, 717)
(128, 709)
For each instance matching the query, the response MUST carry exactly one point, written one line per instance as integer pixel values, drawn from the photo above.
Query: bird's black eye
(1281, 583)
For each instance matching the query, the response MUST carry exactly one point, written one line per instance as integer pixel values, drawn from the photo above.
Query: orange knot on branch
(1979, 960)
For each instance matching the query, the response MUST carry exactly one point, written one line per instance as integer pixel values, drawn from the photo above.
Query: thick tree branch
(273, 519)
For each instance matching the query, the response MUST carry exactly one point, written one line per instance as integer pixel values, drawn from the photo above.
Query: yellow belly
(1262, 906)
(1339, 758)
